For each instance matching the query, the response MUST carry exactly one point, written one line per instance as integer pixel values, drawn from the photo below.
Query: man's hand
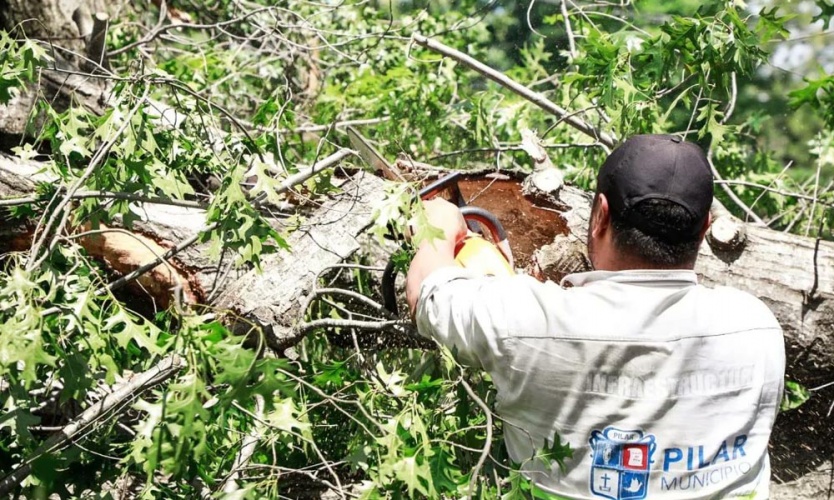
(446, 217)
(435, 254)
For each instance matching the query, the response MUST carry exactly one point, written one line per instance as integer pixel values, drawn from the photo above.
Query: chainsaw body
(474, 252)
(480, 255)
(483, 257)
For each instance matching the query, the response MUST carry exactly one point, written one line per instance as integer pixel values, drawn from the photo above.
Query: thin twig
(159, 30)
(569, 31)
(739, 203)
(502, 79)
(247, 449)
(357, 296)
(718, 179)
(487, 445)
(156, 200)
(144, 268)
(303, 329)
(781, 192)
(529, 22)
(494, 149)
(335, 399)
(816, 190)
(731, 106)
(775, 179)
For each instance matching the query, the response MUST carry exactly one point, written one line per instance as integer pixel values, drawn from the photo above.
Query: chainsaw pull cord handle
(470, 214)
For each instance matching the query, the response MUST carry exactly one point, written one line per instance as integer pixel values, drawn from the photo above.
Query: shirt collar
(636, 276)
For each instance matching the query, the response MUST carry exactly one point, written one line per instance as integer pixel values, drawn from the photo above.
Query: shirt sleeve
(474, 315)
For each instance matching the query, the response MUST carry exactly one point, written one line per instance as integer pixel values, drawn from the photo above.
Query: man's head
(651, 208)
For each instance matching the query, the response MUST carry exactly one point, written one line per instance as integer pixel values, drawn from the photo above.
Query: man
(662, 387)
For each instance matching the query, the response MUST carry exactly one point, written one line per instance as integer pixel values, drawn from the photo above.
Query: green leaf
(795, 396)
(556, 451)
(446, 477)
(331, 373)
(18, 421)
(266, 112)
(415, 475)
(284, 416)
(74, 144)
(125, 330)
(825, 14)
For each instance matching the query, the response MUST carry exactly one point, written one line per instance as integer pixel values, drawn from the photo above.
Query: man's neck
(633, 264)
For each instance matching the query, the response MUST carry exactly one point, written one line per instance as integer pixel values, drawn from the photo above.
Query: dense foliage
(248, 89)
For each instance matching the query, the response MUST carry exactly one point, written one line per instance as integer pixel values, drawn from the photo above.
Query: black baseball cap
(657, 167)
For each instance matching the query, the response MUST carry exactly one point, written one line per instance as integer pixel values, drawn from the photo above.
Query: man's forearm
(436, 253)
(430, 256)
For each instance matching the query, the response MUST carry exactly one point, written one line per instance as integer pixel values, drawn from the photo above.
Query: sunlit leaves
(241, 229)
(795, 395)
(124, 329)
(19, 62)
(390, 214)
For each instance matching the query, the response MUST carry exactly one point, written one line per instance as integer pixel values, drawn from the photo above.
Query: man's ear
(704, 229)
(600, 217)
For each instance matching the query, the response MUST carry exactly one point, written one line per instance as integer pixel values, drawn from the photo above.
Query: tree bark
(272, 300)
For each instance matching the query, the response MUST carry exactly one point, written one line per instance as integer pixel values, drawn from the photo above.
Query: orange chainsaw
(493, 258)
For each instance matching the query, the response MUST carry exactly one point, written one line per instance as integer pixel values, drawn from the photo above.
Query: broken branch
(502, 79)
(164, 370)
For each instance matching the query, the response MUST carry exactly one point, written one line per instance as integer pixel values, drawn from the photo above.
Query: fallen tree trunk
(794, 275)
(271, 301)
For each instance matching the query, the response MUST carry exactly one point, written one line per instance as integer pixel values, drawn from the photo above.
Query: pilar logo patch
(621, 463)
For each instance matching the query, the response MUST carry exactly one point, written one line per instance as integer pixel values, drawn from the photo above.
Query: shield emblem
(621, 463)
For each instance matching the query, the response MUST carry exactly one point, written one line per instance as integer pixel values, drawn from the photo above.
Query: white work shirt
(662, 387)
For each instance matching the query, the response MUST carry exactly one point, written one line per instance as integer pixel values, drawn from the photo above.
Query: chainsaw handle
(449, 181)
(493, 225)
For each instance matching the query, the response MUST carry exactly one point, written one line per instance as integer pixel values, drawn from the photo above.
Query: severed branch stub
(727, 233)
(566, 255)
(96, 53)
(546, 180)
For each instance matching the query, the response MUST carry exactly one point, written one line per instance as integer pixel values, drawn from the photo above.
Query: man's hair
(662, 250)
